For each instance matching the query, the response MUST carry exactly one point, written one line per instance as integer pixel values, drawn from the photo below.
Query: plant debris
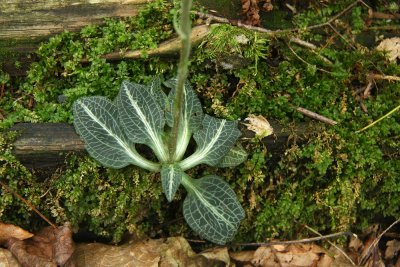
(10, 231)
(392, 47)
(251, 9)
(259, 125)
(50, 247)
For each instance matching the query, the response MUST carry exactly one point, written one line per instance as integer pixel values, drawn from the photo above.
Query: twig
(376, 241)
(379, 15)
(378, 120)
(27, 203)
(341, 36)
(238, 23)
(311, 46)
(384, 28)
(367, 90)
(302, 43)
(332, 244)
(302, 60)
(383, 77)
(315, 116)
(305, 240)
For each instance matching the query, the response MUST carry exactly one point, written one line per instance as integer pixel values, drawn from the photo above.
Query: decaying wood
(164, 49)
(24, 24)
(45, 145)
(21, 19)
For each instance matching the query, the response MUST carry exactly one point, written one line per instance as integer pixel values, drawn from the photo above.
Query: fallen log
(24, 24)
(45, 145)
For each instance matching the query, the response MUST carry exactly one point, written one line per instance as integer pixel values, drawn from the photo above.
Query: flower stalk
(183, 29)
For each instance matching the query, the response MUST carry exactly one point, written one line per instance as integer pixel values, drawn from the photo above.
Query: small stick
(27, 203)
(378, 120)
(383, 77)
(367, 90)
(311, 46)
(302, 60)
(375, 243)
(2, 92)
(332, 244)
(305, 240)
(238, 23)
(303, 43)
(379, 15)
(316, 116)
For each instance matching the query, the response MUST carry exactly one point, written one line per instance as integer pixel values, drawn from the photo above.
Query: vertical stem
(184, 31)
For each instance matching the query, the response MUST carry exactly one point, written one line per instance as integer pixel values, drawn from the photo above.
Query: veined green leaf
(191, 118)
(214, 140)
(171, 177)
(235, 156)
(211, 208)
(141, 117)
(157, 93)
(95, 120)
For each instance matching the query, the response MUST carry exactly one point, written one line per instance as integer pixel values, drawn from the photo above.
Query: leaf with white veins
(171, 177)
(211, 208)
(214, 140)
(95, 120)
(157, 93)
(141, 117)
(235, 156)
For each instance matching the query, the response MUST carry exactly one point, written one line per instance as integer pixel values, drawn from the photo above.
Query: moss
(21, 181)
(334, 181)
(104, 201)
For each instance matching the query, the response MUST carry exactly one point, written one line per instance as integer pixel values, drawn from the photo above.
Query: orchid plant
(145, 114)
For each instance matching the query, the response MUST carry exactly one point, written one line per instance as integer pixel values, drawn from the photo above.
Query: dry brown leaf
(243, 258)
(392, 47)
(325, 261)
(173, 251)
(295, 255)
(8, 231)
(252, 11)
(50, 247)
(392, 249)
(7, 259)
(219, 253)
(259, 125)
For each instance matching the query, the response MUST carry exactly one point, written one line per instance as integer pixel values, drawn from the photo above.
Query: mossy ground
(333, 181)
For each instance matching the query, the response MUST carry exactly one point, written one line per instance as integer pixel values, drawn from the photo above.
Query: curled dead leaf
(294, 255)
(50, 247)
(259, 125)
(8, 231)
(392, 47)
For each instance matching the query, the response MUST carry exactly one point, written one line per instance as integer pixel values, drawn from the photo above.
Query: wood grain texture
(21, 19)
(45, 145)
(24, 24)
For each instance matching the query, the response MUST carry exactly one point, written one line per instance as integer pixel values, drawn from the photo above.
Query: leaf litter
(50, 247)
(55, 247)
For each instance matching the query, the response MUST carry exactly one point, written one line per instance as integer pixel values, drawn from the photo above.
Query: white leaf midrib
(122, 143)
(157, 143)
(206, 203)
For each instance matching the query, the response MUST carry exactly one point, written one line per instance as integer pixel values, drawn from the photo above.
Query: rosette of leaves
(143, 115)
